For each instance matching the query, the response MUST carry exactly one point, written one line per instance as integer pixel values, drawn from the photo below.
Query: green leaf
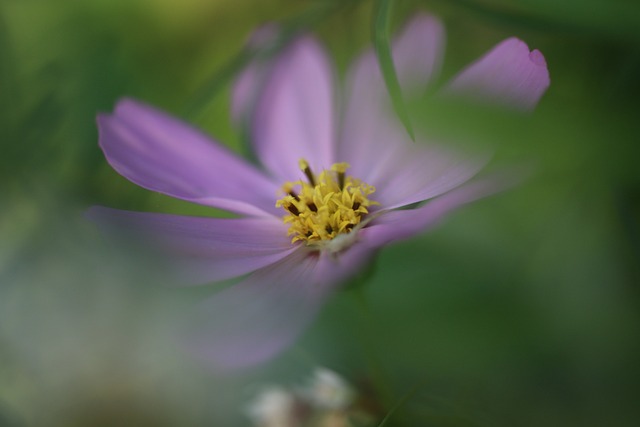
(217, 81)
(617, 19)
(381, 23)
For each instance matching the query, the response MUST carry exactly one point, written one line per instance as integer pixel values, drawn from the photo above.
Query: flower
(275, 407)
(327, 400)
(328, 390)
(328, 194)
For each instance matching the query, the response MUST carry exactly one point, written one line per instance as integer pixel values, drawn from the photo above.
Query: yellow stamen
(329, 204)
(304, 167)
(340, 169)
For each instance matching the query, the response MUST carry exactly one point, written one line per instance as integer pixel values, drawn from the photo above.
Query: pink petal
(163, 154)
(370, 132)
(294, 116)
(402, 224)
(203, 250)
(405, 172)
(418, 52)
(250, 82)
(254, 320)
(414, 172)
(508, 75)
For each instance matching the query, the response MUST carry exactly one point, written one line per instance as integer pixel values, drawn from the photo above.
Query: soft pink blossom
(296, 116)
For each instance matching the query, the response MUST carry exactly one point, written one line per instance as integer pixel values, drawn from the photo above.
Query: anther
(312, 206)
(304, 167)
(340, 169)
(293, 209)
(355, 206)
(329, 229)
(294, 195)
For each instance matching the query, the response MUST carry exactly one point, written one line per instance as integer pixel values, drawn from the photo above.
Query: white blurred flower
(326, 400)
(273, 407)
(328, 390)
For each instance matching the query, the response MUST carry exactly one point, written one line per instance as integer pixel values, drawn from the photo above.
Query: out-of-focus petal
(405, 172)
(508, 75)
(294, 118)
(254, 320)
(367, 138)
(251, 80)
(402, 224)
(418, 52)
(163, 154)
(200, 249)
(414, 172)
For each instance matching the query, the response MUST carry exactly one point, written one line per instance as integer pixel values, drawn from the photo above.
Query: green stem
(399, 404)
(378, 376)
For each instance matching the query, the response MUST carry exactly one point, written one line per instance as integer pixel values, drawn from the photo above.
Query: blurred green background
(520, 310)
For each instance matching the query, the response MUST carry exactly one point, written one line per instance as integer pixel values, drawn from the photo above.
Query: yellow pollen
(325, 205)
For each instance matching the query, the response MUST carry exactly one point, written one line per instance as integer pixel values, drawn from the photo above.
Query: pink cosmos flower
(327, 194)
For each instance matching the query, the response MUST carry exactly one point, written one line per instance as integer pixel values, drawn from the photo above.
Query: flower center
(325, 205)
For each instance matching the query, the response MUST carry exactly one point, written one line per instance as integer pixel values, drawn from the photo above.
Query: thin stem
(399, 404)
(378, 376)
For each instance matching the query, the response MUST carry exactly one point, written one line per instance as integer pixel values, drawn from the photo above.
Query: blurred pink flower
(337, 215)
